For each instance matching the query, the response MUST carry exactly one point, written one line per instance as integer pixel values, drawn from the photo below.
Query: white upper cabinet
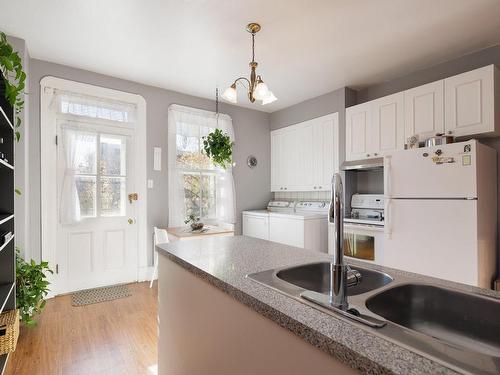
(375, 128)
(358, 122)
(305, 156)
(424, 110)
(387, 131)
(465, 105)
(470, 102)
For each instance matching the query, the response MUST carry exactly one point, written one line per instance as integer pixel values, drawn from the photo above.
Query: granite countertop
(225, 261)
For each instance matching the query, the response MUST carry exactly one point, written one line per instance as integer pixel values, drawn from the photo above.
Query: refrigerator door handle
(387, 176)
(388, 219)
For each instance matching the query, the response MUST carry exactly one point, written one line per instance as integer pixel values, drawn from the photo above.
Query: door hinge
(57, 268)
(56, 140)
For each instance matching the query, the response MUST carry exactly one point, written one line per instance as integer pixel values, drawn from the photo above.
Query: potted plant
(31, 288)
(195, 222)
(13, 77)
(219, 148)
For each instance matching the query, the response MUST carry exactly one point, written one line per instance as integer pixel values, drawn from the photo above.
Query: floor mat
(96, 295)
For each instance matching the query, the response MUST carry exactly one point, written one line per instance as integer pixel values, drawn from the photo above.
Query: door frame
(48, 178)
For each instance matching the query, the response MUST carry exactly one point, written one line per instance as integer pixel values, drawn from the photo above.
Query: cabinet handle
(319, 187)
(315, 187)
(368, 155)
(375, 154)
(281, 188)
(285, 188)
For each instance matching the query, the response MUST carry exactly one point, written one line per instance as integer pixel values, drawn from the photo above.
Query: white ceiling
(306, 47)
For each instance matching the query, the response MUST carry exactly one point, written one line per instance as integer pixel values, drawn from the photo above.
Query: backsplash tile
(302, 195)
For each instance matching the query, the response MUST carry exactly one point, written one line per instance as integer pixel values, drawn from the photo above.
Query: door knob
(130, 220)
(132, 197)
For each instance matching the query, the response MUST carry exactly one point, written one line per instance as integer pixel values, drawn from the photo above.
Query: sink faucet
(338, 271)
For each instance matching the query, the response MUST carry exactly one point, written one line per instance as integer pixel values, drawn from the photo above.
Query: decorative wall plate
(252, 161)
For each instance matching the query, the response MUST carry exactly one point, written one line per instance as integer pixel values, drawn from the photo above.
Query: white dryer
(306, 226)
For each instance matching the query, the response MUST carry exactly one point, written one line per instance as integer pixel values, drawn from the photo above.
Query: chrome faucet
(338, 272)
(341, 275)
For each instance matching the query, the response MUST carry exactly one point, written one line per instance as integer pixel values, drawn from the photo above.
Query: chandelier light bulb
(230, 94)
(269, 99)
(261, 91)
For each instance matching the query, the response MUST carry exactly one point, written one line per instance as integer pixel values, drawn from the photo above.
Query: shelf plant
(31, 288)
(14, 79)
(219, 148)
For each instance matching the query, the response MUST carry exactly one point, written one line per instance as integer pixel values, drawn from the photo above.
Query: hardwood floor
(116, 337)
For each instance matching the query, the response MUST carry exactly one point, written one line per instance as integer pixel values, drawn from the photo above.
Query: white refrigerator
(441, 212)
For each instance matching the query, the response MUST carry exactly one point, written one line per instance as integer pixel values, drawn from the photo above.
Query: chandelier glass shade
(256, 88)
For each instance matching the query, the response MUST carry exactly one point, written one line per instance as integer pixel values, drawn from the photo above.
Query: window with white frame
(198, 172)
(196, 186)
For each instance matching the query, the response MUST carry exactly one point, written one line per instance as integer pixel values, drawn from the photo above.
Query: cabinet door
(256, 226)
(289, 159)
(358, 121)
(305, 156)
(386, 134)
(276, 167)
(326, 151)
(424, 110)
(469, 102)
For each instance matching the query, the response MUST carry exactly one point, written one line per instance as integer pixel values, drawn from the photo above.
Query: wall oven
(364, 229)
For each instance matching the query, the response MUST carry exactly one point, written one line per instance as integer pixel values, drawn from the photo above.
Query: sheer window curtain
(179, 117)
(74, 143)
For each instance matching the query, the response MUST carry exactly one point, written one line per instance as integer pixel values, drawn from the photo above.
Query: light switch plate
(150, 184)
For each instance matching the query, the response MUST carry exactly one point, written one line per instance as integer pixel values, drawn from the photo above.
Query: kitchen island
(215, 320)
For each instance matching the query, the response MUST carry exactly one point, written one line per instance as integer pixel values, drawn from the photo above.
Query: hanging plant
(14, 79)
(219, 148)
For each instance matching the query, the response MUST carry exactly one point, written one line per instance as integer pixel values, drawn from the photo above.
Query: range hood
(365, 164)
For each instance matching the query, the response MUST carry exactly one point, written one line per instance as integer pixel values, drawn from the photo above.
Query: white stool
(160, 236)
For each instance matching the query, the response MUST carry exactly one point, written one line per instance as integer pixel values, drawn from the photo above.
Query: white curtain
(192, 122)
(74, 144)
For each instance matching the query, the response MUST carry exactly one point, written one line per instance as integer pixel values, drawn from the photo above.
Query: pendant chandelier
(257, 89)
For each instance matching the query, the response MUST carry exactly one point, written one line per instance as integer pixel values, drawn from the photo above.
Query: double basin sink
(456, 328)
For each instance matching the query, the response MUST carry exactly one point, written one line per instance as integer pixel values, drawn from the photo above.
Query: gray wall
(463, 64)
(251, 132)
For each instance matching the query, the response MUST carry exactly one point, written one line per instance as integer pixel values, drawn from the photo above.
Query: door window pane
(113, 155)
(83, 145)
(86, 189)
(112, 196)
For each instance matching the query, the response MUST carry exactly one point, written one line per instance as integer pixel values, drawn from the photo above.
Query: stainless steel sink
(459, 329)
(465, 320)
(316, 277)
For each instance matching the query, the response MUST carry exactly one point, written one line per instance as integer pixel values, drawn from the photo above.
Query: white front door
(100, 247)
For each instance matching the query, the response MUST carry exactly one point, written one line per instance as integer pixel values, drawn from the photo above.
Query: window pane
(113, 196)
(86, 189)
(200, 195)
(208, 196)
(190, 146)
(113, 155)
(83, 145)
(192, 194)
